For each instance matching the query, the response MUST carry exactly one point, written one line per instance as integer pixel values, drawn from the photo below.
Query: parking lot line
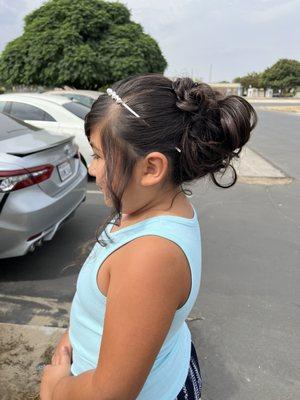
(94, 191)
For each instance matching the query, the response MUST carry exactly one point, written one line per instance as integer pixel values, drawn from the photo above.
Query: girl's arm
(142, 298)
(76, 387)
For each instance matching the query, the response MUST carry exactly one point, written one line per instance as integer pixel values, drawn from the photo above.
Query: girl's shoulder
(157, 259)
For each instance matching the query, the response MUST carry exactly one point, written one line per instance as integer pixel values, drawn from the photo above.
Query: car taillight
(21, 178)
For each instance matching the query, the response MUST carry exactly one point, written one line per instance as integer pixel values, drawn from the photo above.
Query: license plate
(64, 170)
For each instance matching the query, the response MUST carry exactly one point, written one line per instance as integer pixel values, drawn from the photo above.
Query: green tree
(252, 79)
(283, 75)
(85, 44)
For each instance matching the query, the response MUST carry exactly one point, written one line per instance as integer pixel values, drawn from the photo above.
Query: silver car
(42, 182)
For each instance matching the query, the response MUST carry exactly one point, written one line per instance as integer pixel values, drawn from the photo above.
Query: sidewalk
(273, 100)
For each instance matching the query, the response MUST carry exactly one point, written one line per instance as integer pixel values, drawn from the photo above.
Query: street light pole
(210, 73)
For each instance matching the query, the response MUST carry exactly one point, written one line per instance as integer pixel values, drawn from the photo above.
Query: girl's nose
(90, 169)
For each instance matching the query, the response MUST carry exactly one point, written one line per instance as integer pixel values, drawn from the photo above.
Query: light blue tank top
(170, 369)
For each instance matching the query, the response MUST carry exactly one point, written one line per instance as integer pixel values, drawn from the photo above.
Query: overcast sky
(199, 38)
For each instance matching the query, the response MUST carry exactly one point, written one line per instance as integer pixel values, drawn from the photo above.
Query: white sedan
(54, 113)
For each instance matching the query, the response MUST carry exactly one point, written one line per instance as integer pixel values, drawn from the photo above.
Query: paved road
(32, 287)
(247, 314)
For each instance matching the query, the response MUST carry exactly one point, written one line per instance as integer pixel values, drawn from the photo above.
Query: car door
(31, 114)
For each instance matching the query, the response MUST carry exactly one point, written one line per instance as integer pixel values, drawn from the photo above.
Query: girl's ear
(154, 168)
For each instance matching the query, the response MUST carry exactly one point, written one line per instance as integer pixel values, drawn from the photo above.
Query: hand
(64, 342)
(54, 372)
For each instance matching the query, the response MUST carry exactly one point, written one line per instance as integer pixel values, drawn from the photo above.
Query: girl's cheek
(91, 168)
(99, 169)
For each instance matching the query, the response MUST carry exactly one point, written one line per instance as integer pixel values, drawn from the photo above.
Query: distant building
(269, 92)
(228, 88)
(255, 92)
(224, 88)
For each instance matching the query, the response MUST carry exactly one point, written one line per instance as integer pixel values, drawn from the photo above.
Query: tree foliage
(284, 75)
(253, 79)
(85, 44)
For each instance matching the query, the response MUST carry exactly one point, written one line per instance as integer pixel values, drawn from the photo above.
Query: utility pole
(210, 73)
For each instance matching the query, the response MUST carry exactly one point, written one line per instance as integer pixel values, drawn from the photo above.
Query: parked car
(42, 182)
(85, 97)
(54, 113)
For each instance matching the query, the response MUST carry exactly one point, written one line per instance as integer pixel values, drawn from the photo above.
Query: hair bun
(192, 96)
(217, 129)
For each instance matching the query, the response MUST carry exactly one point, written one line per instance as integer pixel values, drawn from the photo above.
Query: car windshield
(12, 127)
(77, 109)
(80, 98)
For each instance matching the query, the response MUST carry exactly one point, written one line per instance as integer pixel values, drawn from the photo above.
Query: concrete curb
(250, 180)
(254, 169)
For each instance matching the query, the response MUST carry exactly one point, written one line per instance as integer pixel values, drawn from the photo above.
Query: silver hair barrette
(118, 99)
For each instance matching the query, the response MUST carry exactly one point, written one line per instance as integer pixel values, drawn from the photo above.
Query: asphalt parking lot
(245, 323)
(38, 287)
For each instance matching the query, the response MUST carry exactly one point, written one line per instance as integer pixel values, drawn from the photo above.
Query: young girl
(128, 338)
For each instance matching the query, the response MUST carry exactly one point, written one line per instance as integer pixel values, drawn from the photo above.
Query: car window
(68, 95)
(28, 112)
(10, 127)
(80, 98)
(77, 109)
(2, 105)
(85, 100)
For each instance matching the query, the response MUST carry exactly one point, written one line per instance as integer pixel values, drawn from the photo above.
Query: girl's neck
(164, 206)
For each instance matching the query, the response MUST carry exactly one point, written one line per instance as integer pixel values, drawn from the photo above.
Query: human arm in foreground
(143, 296)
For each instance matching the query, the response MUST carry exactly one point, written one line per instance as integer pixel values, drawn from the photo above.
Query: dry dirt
(22, 349)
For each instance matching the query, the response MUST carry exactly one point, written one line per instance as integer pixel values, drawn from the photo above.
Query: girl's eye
(95, 156)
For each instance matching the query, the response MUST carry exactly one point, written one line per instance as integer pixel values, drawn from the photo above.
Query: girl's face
(97, 166)
(145, 183)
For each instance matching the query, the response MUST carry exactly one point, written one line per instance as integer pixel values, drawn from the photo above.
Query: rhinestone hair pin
(118, 99)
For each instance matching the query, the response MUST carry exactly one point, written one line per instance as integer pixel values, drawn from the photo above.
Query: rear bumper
(31, 212)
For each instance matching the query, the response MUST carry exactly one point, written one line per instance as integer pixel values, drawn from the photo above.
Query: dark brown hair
(208, 127)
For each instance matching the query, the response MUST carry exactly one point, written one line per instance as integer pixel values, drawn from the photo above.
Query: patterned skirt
(193, 384)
